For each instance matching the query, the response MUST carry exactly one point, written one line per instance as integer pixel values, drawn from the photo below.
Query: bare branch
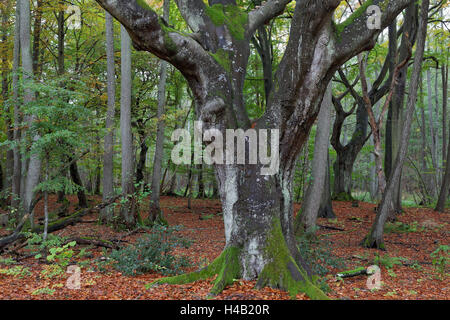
(150, 32)
(265, 13)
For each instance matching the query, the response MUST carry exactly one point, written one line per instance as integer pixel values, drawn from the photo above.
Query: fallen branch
(353, 273)
(55, 226)
(95, 242)
(330, 228)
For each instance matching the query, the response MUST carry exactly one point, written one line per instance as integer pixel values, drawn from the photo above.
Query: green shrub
(388, 261)
(44, 290)
(16, 271)
(400, 227)
(441, 258)
(152, 252)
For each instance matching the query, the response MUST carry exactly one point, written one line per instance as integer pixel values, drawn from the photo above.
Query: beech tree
(213, 58)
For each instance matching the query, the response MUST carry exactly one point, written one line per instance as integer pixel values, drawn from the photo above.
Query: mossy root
(226, 267)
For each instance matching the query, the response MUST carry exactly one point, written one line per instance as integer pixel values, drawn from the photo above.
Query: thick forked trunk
(257, 209)
(258, 220)
(260, 243)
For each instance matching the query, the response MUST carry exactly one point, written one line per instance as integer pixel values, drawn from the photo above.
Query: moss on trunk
(372, 242)
(282, 272)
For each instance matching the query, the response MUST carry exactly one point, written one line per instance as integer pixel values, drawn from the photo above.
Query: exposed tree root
(226, 267)
(372, 243)
(281, 271)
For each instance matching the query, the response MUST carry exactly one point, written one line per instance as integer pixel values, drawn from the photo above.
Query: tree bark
(9, 167)
(108, 157)
(326, 205)
(17, 174)
(445, 146)
(155, 210)
(75, 175)
(445, 188)
(128, 207)
(432, 130)
(34, 166)
(306, 219)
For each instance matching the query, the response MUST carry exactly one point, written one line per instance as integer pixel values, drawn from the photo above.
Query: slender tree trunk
(127, 208)
(75, 175)
(375, 237)
(395, 113)
(37, 37)
(141, 162)
(44, 236)
(373, 176)
(201, 184)
(155, 210)
(17, 174)
(34, 166)
(445, 188)
(306, 220)
(432, 129)
(108, 157)
(5, 94)
(326, 205)
(444, 112)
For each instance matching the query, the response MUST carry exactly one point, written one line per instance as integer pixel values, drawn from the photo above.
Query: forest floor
(407, 270)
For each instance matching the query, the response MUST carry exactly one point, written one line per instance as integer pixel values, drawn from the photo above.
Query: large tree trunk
(375, 237)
